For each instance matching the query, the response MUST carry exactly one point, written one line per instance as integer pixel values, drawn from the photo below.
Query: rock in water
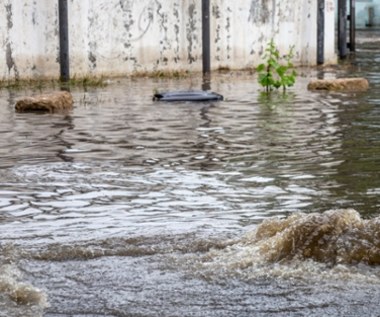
(60, 101)
(340, 84)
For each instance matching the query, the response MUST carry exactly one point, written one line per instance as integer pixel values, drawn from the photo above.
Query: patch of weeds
(224, 69)
(87, 81)
(19, 84)
(176, 74)
(40, 84)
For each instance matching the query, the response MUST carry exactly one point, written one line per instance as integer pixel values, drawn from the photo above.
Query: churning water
(246, 207)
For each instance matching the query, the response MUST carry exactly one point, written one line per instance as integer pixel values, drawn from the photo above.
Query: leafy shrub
(278, 71)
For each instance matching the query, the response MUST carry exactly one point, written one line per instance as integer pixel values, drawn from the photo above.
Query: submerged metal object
(192, 95)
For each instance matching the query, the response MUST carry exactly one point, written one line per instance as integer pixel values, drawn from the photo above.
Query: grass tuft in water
(39, 84)
(176, 74)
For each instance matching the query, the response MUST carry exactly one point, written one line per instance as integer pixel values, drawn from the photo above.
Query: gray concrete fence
(120, 37)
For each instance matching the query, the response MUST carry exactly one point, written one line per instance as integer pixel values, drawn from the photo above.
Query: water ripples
(125, 182)
(125, 160)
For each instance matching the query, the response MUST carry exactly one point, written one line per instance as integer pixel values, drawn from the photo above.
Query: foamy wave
(335, 244)
(334, 237)
(124, 247)
(21, 293)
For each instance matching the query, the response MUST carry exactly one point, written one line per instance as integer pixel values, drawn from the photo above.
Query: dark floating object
(192, 95)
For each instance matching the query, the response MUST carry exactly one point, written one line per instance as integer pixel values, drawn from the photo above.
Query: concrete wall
(119, 37)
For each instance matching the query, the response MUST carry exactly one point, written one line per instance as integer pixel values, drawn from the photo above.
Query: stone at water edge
(340, 84)
(60, 101)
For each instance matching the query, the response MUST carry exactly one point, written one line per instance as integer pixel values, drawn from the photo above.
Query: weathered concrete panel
(119, 37)
(28, 33)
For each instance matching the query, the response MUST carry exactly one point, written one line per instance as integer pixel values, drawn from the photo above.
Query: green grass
(39, 84)
(176, 74)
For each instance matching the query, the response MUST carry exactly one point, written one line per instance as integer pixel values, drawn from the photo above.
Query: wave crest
(333, 237)
(20, 293)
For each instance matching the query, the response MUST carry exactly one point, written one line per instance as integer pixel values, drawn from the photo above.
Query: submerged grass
(87, 81)
(102, 81)
(183, 74)
(39, 84)
(176, 74)
(19, 84)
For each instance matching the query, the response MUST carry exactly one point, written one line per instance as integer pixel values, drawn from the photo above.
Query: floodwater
(246, 207)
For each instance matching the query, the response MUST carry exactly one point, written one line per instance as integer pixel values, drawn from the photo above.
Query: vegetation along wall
(119, 37)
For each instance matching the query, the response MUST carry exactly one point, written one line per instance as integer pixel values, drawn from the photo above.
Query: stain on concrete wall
(176, 29)
(119, 37)
(259, 12)
(92, 16)
(191, 31)
(12, 67)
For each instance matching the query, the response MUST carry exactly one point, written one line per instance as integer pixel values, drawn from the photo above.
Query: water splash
(335, 244)
(333, 237)
(11, 285)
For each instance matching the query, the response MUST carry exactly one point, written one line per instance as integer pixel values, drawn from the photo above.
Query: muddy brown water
(246, 207)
